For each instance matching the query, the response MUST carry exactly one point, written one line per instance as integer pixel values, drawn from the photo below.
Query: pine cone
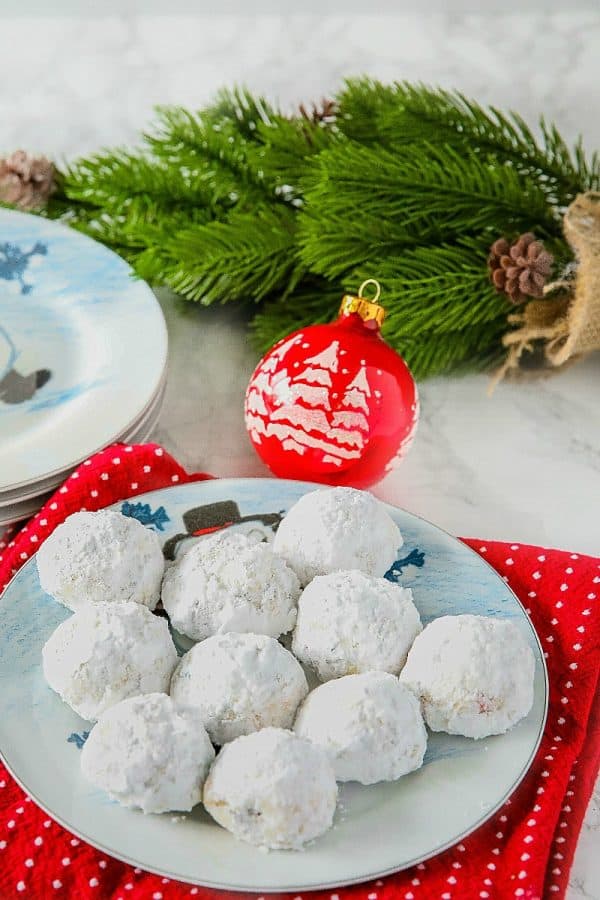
(520, 270)
(26, 181)
(325, 111)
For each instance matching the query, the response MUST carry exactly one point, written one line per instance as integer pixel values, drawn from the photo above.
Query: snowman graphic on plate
(17, 386)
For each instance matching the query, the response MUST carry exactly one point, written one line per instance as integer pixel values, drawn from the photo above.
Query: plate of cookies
(266, 685)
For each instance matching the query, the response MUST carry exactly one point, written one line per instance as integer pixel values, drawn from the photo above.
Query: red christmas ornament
(333, 403)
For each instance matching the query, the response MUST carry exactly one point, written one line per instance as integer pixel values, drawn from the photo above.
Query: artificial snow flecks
(283, 346)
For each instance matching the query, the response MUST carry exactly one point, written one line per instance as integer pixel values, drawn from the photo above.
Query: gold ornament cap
(368, 310)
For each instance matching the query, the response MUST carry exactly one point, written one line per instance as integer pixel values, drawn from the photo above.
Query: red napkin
(525, 850)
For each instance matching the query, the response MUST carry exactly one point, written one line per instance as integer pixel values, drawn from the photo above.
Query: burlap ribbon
(567, 319)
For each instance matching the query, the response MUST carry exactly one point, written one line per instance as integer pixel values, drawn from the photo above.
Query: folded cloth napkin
(525, 850)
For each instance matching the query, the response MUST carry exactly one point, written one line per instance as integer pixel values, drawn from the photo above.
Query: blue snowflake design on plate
(78, 739)
(143, 513)
(14, 262)
(415, 558)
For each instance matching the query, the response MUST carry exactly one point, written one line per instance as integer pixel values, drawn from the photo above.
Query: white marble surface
(524, 465)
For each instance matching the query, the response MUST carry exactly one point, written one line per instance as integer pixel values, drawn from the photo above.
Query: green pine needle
(119, 176)
(429, 194)
(412, 113)
(245, 258)
(466, 349)
(436, 290)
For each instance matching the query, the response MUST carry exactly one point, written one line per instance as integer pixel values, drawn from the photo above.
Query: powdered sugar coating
(147, 754)
(473, 675)
(337, 528)
(239, 683)
(272, 789)
(349, 622)
(369, 725)
(229, 582)
(97, 557)
(107, 652)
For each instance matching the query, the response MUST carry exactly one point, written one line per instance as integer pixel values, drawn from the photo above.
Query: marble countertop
(523, 465)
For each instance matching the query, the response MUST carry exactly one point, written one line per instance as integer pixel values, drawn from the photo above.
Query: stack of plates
(83, 352)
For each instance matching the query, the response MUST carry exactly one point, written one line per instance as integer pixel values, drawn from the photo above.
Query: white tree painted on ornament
(341, 434)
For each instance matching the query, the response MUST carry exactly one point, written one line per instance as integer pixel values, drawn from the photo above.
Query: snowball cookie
(107, 652)
(229, 582)
(149, 755)
(473, 675)
(370, 726)
(349, 622)
(272, 789)
(101, 556)
(337, 528)
(240, 683)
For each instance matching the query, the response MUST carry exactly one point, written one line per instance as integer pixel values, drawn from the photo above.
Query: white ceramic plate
(137, 433)
(23, 507)
(83, 348)
(379, 829)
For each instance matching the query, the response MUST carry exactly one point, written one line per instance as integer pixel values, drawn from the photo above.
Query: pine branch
(222, 142)
(156, 209)
(333, 246)
(361, 105)
(436, 290)
(115, 178)
(428, 193)
(246, 151)
(408, 184)
(245, 258)
(476, 348)
(239, 106)
(137, 229)
(408, 113)
(217, 155)
(288, 146)
(235, 113)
